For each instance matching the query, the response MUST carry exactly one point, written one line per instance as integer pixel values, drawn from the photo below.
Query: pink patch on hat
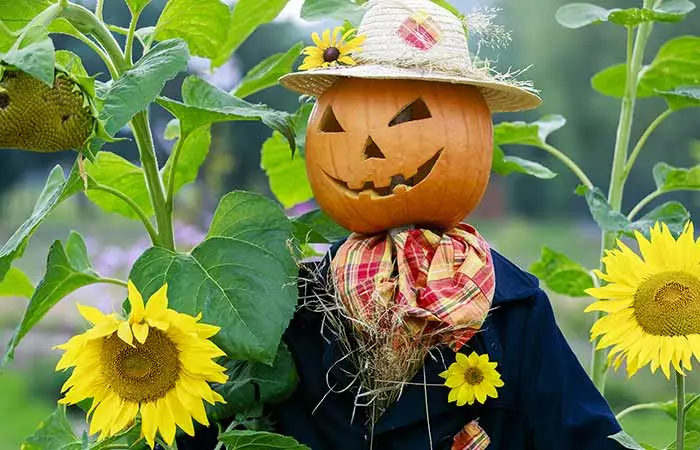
(420, 31)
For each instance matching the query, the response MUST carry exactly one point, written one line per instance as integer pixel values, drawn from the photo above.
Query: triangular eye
(417, 110)
(329, 123)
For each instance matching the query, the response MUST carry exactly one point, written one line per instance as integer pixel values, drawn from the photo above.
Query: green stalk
(126, 199)
(98, 10)
(643, 140)
(129, 46)
(142, 133)
(635, 56)
(170, 182)
(569, 163)
(680, 410)
(114, 281)
(639, 407)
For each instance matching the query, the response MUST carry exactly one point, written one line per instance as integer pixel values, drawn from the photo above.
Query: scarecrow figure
(413, 333)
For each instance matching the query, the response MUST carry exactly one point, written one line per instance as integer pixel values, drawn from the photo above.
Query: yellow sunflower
(653, 302)
(329, 51)
(156, 362)
(472, 378)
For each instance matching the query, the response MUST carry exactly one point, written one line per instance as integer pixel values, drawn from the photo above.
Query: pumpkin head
(382, 154)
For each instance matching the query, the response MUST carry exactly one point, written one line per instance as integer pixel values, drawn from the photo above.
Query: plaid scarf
(440, 285)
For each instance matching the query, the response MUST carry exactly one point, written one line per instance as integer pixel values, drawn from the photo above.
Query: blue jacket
(548, 401)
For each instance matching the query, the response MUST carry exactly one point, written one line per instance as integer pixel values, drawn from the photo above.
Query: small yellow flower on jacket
(331, 51)
(472, 378)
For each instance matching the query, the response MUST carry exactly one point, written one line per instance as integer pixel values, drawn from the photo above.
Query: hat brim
(500, 96)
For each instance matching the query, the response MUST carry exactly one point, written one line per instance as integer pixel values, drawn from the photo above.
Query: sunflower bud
(42, 118)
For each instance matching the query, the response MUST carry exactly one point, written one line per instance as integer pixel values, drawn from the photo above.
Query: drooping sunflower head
(332, 50)
(157, 362)
(472, 378)
(652, 301)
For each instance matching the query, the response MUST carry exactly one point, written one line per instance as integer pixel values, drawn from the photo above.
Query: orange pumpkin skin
(372, 171)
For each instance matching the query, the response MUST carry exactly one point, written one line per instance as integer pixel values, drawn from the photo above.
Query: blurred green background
(518, 215)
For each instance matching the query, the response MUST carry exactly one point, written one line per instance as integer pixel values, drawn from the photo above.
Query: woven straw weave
(386, 55)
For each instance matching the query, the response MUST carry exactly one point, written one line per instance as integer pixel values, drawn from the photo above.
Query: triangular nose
(372, 150)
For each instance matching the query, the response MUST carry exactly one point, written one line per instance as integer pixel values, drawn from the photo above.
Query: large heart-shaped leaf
(205, 104)
(251, 383)
(139, 86)
(240, 278)
(267, 72)
(316, 227)
(249, 439)
(561, 274)
(56, 190)
(247, 16)
(203, 24)
(53, 433)
(67, 269)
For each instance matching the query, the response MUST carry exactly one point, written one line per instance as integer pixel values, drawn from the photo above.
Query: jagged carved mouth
(399, 183)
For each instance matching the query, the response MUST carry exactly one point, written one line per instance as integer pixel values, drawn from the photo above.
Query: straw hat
(417, 40)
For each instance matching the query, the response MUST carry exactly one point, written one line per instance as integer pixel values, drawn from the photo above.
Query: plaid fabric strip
(434, 281)
(471, 437)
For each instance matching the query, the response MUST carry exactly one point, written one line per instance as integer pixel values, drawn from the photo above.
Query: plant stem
(569, 163)
(635, 56)
(98, 10)
(643, 140)
(691, 402)
(129, 46)
(234, 423)
(649, 198)
(87, 23)
(114, 281)
(639, 407)
(99, 51)
(170, 182)
(139, 212)
(142, 133)
(680, 410)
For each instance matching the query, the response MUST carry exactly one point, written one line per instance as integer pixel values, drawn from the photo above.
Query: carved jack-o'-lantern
(386, 153)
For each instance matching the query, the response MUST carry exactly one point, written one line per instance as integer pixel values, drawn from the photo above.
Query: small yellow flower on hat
(332, 50)
(472, 378)
(157, 362)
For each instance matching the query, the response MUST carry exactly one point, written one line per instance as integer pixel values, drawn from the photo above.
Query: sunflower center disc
(668, 304)
(473, 376)
(142, 373)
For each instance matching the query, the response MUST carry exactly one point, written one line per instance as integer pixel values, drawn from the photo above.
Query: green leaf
(172, 130)
(192, 155)
(673, 11)
(250, 383)
(534, 133)
(16, 284)
(677, 64)
(247, 16)
(626, 440)
(16, 14)
(505, 165)
(313, 10)
(203, 24)
(71, 63)
(56, 190)
(140, 86)
(669, 178)
(33, 53)
(673, 214)
(67, 269)
(112, 170)
(286, 170)
(240, 278)
(561, 274)
(136, 6)
(205, 104)
(267, 72)
(578, 15)
(683, 97)
(53, 433)
(253, 440)
(316, 227)
(602, 212)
